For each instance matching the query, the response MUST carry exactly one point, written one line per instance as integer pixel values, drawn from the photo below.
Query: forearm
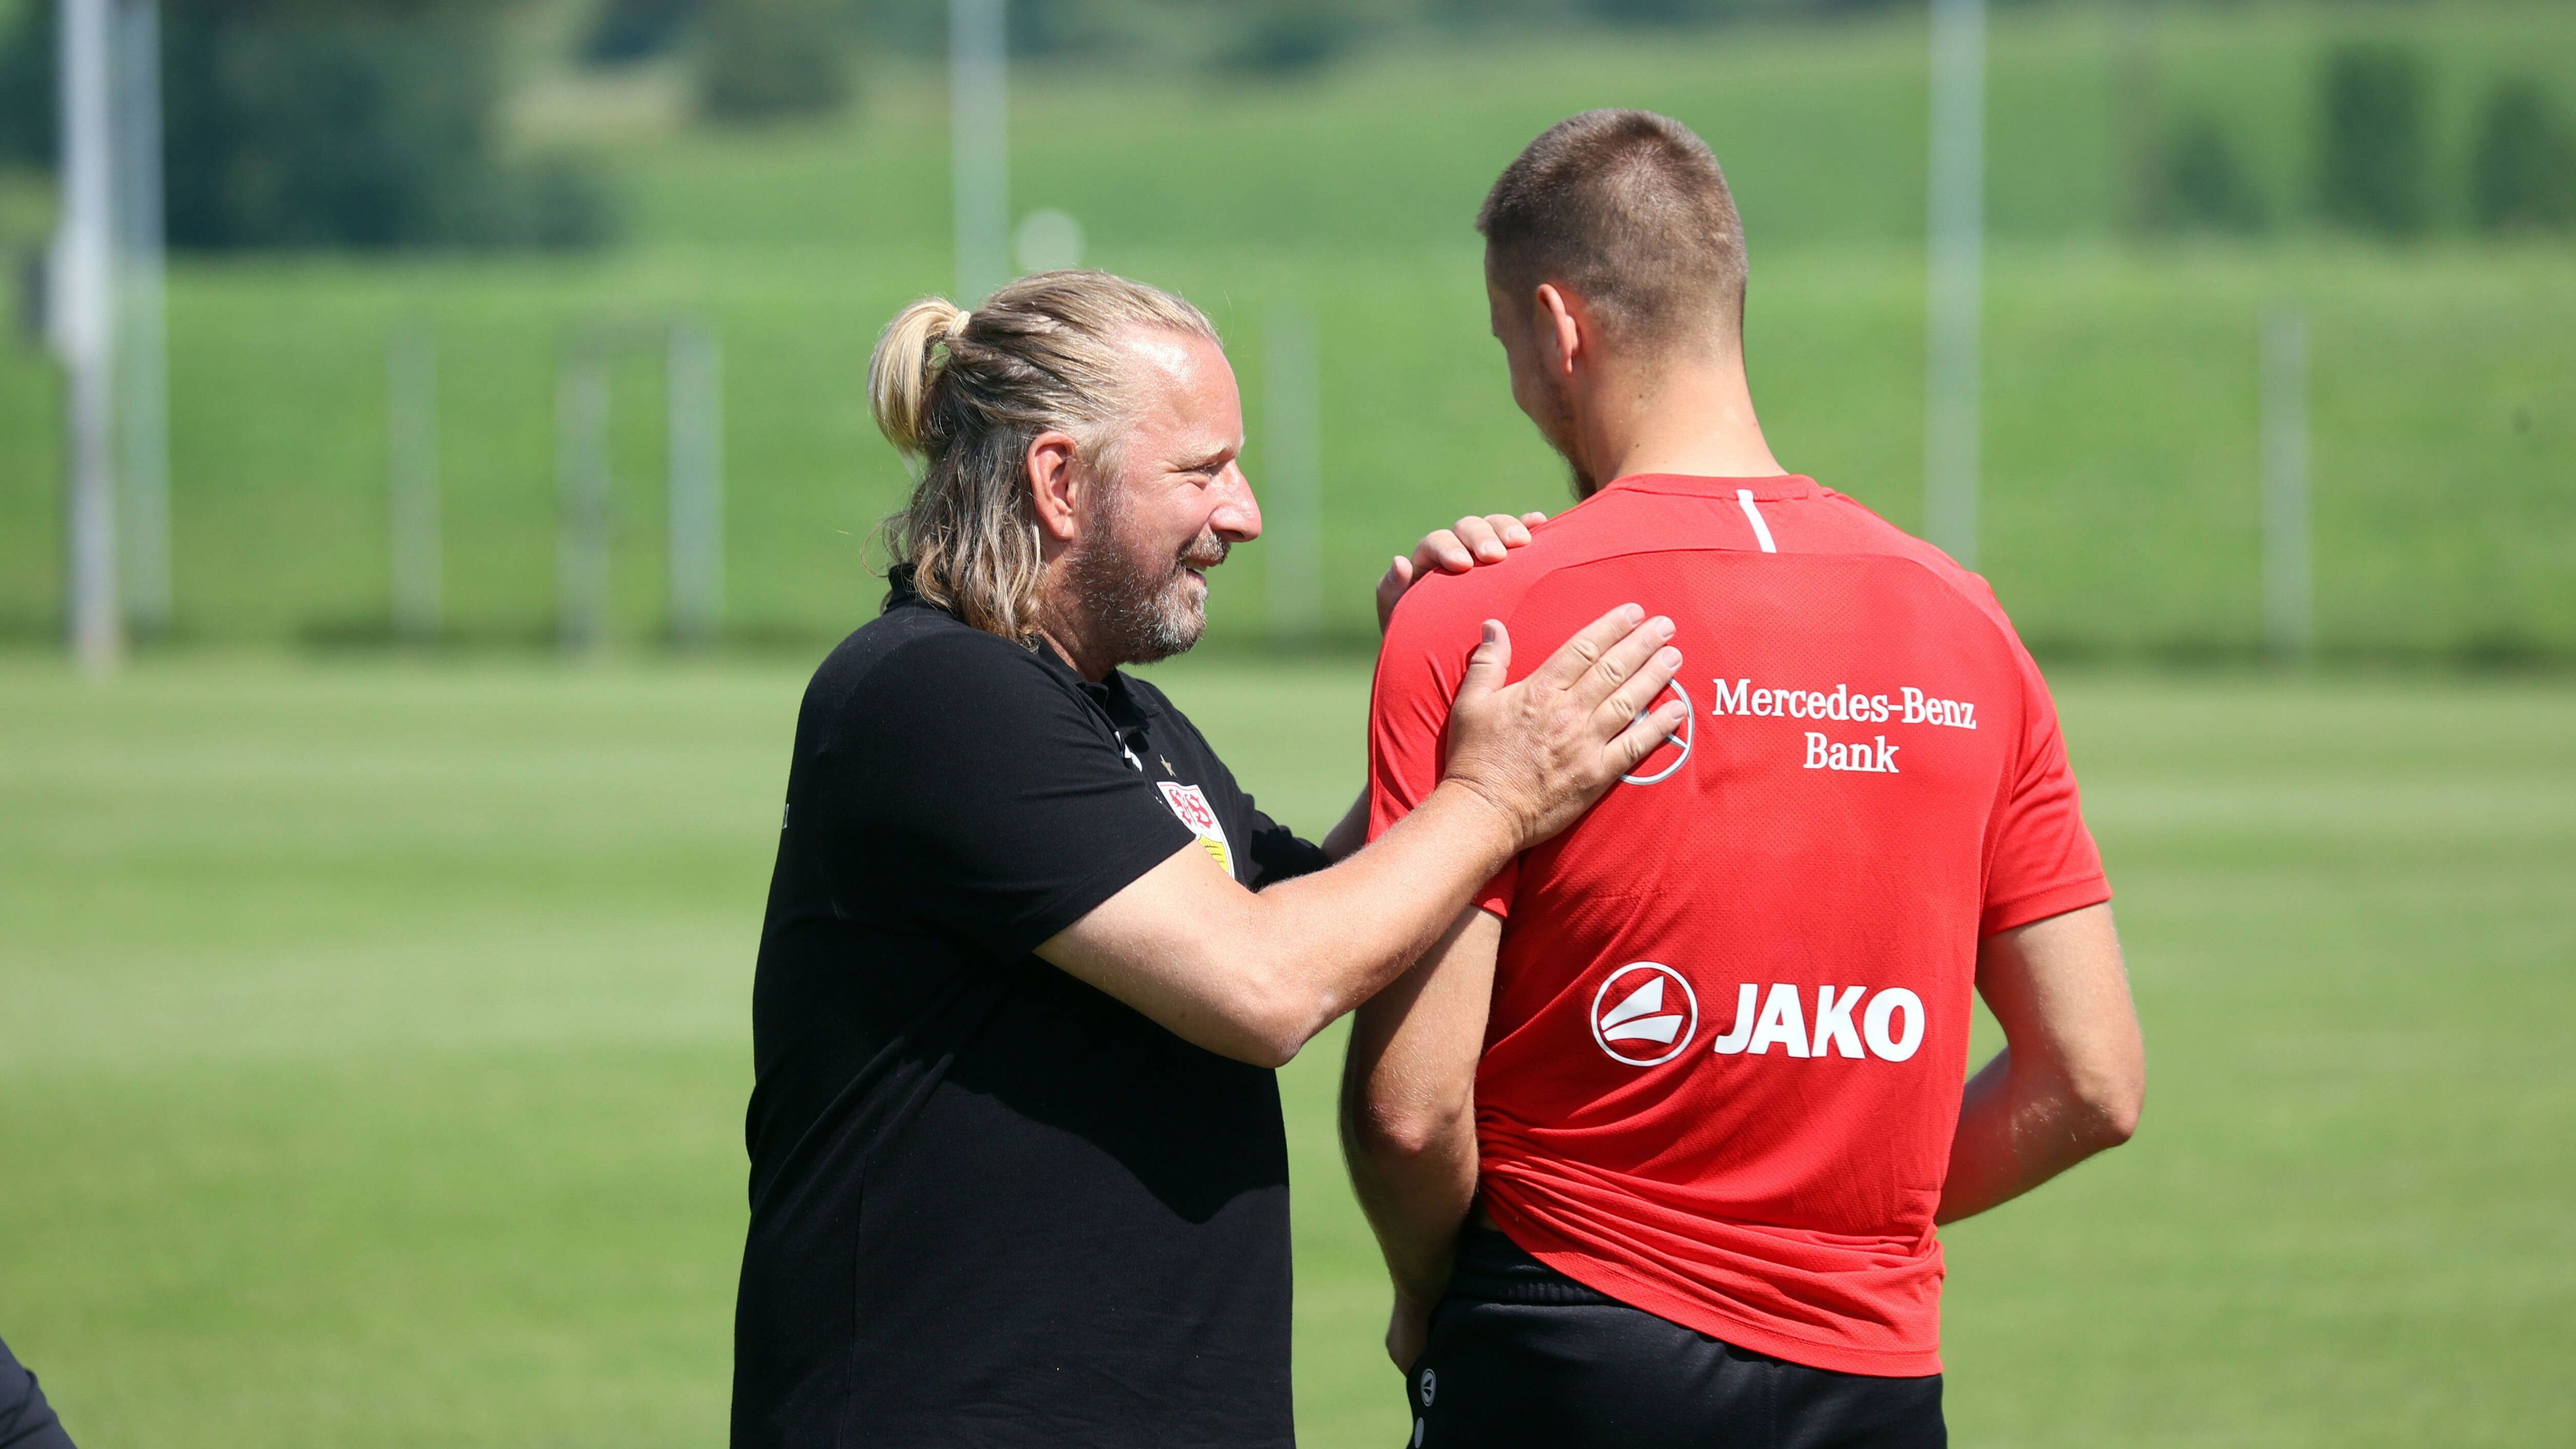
(1416, 1199)
(1329, 941)
(1409, 1105)
(1253, 976)
(1349, 833)
(2020, 1125)
(2072, 1076)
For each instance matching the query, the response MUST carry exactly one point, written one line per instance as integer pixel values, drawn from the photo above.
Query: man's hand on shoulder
(1456, 549)
(1253, 976)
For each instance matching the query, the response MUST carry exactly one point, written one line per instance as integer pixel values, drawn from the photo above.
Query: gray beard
(1141, 609)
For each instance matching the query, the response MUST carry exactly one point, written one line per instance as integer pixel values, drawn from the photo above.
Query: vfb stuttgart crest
(1644, 1014)
(1190, 803)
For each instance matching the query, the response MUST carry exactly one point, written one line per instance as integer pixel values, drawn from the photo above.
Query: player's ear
(1561, 326)
(1055, 485)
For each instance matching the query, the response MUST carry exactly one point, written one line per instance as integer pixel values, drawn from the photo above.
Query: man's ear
(1055, 485)
(1558, 319)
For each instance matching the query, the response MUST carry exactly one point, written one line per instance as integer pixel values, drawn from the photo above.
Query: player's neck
(1692, 418)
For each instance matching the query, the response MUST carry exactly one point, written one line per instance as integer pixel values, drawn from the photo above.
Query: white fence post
(581, 473)
(411, 482)
(2289, 597)
(82, 318)
(979, 137)
(142, 365)
(1956, 277)
(1294, 474)
(694, 395)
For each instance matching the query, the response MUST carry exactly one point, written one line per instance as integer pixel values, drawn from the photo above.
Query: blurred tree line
(755, 60)
(2375, 168)
(1261, 35)
(376, 123)
(326, 123)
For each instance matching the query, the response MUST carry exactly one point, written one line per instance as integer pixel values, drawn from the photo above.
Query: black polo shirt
(26, 1420)
(991, 1205)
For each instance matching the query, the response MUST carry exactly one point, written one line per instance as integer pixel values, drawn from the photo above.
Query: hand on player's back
(1456, 549)
(1544, 749)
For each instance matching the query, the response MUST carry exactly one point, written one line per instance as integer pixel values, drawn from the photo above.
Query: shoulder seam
(920, 641)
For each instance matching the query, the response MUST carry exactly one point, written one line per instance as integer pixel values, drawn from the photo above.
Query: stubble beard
(1142, 605)
(1557, 427)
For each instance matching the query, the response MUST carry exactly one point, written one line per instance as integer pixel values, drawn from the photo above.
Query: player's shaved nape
(1630, 210)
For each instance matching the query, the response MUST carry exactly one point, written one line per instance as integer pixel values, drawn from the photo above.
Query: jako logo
(1638, 1020)
(1782, 1024)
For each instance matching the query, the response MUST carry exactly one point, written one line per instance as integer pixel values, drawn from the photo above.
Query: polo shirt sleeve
(989, 791)
(1279, 853)
(1419, 667)
(26, 1420)
(1273, 851)
(2041, 859)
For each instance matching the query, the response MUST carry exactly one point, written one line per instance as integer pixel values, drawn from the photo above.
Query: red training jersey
(1730, 1017)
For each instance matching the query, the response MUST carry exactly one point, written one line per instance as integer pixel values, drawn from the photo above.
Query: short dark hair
(1630, 209)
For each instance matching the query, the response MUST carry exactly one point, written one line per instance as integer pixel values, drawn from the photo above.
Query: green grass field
(2120, 439)
(373, 1045)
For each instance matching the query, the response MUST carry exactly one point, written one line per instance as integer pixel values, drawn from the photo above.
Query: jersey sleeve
(1001, 802)
(1419, 666)
(2042, 860)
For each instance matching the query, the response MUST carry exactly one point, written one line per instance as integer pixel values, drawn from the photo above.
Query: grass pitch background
(375, 1049)
(374, 1034)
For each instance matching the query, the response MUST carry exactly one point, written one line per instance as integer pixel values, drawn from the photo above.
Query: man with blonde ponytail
(1018, 1173)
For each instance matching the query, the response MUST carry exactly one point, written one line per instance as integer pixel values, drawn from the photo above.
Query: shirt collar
(1764, 490)
(1115, 695)
(1112, 694)
(1106, 692)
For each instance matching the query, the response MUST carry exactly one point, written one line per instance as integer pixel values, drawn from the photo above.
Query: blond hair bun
(904, 365)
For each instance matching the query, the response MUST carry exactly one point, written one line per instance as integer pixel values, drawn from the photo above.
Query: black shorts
(1520, 1354)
